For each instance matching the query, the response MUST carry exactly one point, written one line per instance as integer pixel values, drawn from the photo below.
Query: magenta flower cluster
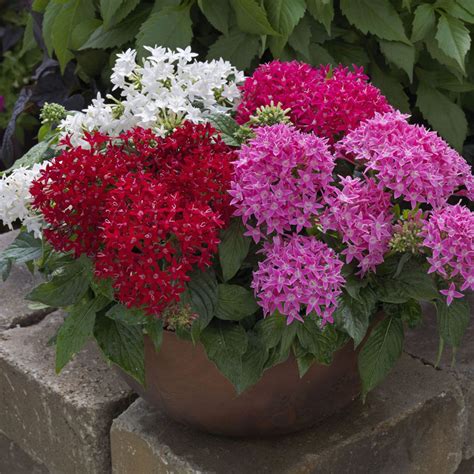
(360, 213)
(413, 162)
(449, 234)
(328, 102)
(299, 274)
(278, 180)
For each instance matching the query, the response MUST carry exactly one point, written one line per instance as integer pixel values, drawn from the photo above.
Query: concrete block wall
(421, 420)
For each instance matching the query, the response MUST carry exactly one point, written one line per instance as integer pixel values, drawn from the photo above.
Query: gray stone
(61, 421)
(466, 467)
(413, 423)
(15, 310)
(13, 460)
(423, 343)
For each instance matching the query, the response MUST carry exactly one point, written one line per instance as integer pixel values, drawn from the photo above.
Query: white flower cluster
(168, 87)
(15, 198)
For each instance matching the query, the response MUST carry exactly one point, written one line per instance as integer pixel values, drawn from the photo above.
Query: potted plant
(238, 248)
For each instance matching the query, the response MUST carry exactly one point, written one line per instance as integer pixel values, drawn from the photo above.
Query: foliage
(418, 51)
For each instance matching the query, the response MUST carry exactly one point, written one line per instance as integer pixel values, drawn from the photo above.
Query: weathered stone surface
(466, 467)
(61, 421)
(15, 310)
(414, 423)
(14, 460)
(423, 344)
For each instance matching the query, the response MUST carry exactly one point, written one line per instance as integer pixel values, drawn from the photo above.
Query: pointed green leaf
(453, 320)
(423, 21)
(400, 54)
(301, 37)
(235, 303)
(23, 249)
(453, 38)
(322, 11)
(233, 248)
(128, 316)
(154, 328)
(217, 13)
(122, 345)
(237, 47)
(170, 27)
(252, 18)
(378, 17)
(445, 116)
(380, 352)
(77, 329)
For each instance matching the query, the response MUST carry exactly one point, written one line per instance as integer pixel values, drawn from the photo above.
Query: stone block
(423, 342)
(413, 423)
(15, 310)
(13, 460)
(60, 421)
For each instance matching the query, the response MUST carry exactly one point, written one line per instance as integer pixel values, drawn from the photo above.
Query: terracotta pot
(189, 388)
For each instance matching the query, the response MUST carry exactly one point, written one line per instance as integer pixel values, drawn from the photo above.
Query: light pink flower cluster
(278, 180)
(412, 161)
(449, 233)
(324, 101)
(288, 83)
(360, 213)
(299, 273)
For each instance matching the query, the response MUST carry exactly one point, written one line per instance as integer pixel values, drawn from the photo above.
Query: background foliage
(417, 51)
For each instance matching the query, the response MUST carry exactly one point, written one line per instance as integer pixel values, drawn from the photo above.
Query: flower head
(360, 213)
(299, 275)
(413, 162)
(278, 179)
(449, 235)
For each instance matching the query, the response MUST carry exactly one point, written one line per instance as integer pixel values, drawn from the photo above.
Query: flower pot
(182, 382)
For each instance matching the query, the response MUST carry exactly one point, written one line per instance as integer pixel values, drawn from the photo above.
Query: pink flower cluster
(449, 233)
(412, 161)
(289, 83)
(299, 273)
(360, 213)
(324, 101)
(278, 180)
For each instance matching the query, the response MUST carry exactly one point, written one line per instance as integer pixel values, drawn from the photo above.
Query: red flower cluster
(145, 208)
(324, 101)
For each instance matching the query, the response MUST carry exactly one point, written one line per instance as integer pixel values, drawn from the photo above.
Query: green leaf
(217, 13)
(380, 352)
(320, 55)
(122, 345)
(103, 286)
(437, 53)
(51, 12)
(114, 11)
(154, 328)
(271, 329)
(453, 39)
(322, 11)
(77, 329)
(68, 285)
(410, 313)
(462, 9)
(34, 155)
(378, 17)
(170, 27)
(391, 88)
(83, 31)
(304, 360)
(348, 54)
(71, 14)
(423, 21)
(453, 320)
(225, 345)
(233, 248)
(252, 18)
(253, 362)
(201, 294)
(39, 5)
(400, 54)
(118, 35)
(235, 303)
(353, 315)
(301, 37)
(226, 126)
(284, 15)
(23, 249)
(128, 316)
(237, 47)
(444, 115)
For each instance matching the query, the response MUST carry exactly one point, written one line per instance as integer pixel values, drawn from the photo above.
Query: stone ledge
(15, 310)
(61, 421)
(413, 423)
(422, 343)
